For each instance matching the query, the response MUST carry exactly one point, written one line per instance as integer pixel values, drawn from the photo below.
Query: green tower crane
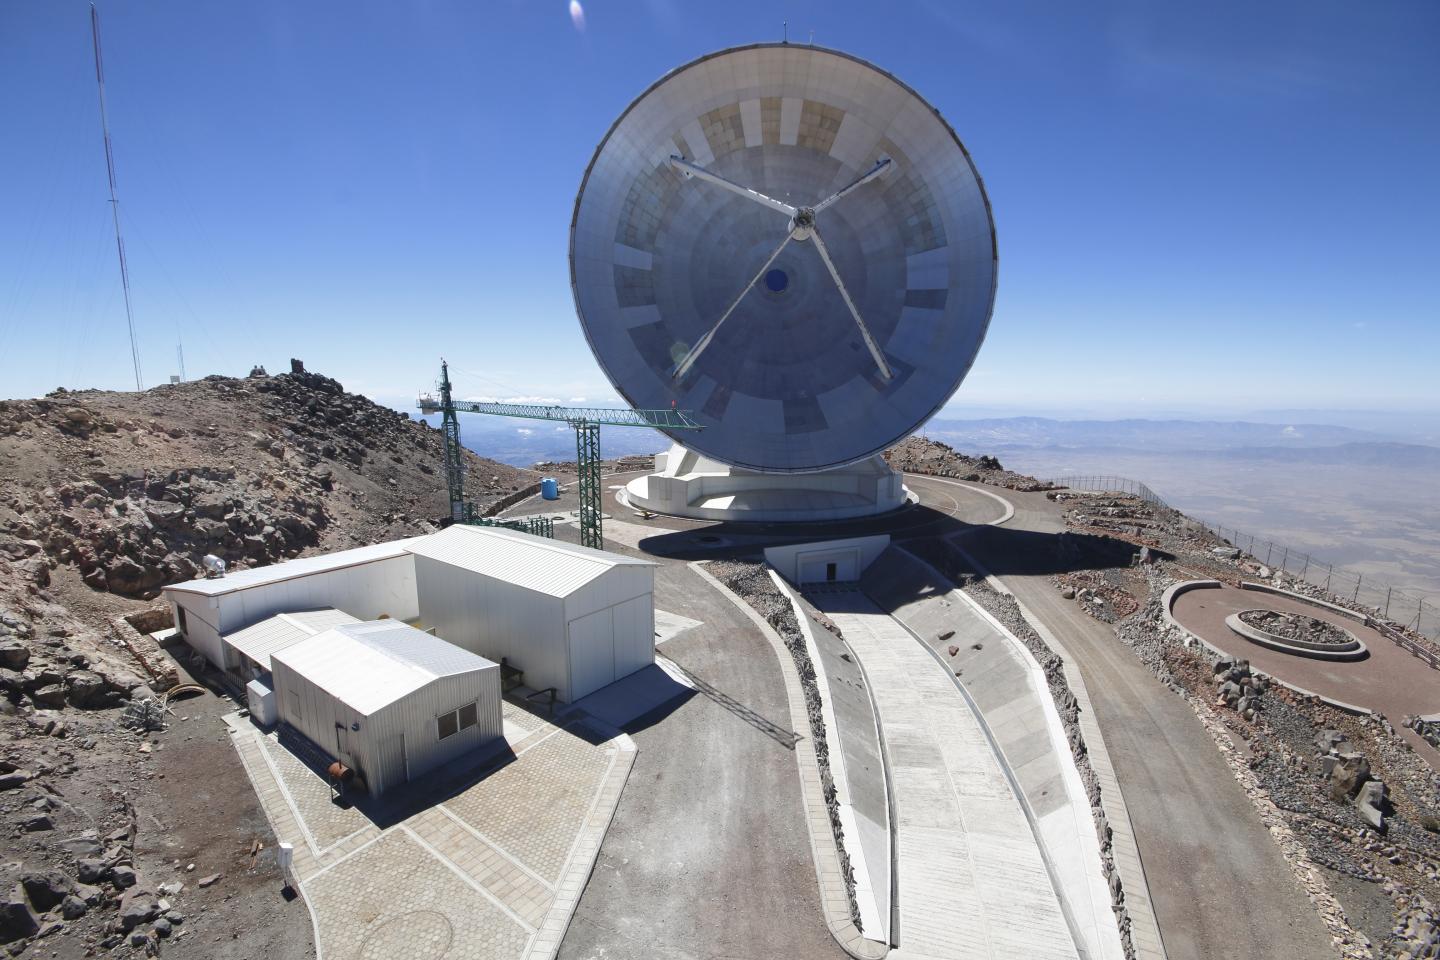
(586, 421)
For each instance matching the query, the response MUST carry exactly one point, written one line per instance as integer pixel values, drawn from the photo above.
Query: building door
(830, 572)
(592, 653)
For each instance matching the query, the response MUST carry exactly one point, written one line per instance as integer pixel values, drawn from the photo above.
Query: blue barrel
(550, 488)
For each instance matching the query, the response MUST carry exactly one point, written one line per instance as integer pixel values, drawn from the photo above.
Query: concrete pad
(633, 696)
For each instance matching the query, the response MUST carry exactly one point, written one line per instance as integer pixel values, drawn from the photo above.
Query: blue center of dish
(777, 280)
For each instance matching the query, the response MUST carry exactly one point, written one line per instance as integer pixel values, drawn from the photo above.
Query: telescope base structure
(685, 484)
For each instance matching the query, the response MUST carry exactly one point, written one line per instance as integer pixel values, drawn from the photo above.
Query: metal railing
(1110, 484)
(1405, 609)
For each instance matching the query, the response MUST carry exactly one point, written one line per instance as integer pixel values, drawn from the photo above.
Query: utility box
(261, 701)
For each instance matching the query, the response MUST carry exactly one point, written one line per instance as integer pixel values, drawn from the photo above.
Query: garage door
(634, 635)
(592, 653)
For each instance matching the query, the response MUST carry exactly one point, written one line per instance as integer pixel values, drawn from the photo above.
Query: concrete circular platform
(1350, 648)
(1389, 681)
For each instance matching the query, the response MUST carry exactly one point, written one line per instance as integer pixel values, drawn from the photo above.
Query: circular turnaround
(790, 243)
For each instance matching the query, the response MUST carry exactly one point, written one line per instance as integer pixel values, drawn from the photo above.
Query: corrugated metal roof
(535, 563)
(290, 569)
(370, 665)
(262, 639)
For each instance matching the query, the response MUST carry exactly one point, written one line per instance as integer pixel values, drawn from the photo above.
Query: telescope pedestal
(685, 484)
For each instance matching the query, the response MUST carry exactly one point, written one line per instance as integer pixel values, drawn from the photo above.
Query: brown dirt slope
(105, 497)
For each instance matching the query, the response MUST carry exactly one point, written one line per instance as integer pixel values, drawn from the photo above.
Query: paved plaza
(489, 864)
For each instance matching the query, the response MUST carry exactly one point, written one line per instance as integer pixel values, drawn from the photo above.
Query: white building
(252, 647)
(387, 700)
(570, 617)
(366, 583)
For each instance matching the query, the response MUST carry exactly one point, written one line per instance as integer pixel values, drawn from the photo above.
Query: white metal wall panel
(592, 654)
(364, 591)
(496, 619)
(310, 710)
(200, 631)
(634, 635)
(616, 585)
(414, 717)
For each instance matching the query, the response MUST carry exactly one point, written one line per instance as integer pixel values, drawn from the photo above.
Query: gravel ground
(1293, 626)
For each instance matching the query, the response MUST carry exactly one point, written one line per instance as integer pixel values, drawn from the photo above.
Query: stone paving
(492, 870)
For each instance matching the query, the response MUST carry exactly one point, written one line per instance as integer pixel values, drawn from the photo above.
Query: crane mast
(586, 422)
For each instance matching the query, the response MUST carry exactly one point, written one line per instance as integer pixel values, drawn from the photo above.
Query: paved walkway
(972, 882)
(493, 870)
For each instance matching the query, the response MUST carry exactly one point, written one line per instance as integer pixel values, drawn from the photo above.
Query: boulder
(140, 910)
(1370, 803)
(39, 823)
(73, 908)
(46, 888)
(83, 846)
(124, 877)
(17, 920)
(14, 779)
(14, 655)
(1350, 772)
(87, 690)
(92, 869)
(49, 697)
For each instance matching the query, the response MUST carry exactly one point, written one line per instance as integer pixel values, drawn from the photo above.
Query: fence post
(1283, 559)
(1387, 602)
(1330, 569)
(1359, 578)
(1269, 548)
(1306, 569)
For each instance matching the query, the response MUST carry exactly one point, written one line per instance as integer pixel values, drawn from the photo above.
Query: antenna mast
(114, 203)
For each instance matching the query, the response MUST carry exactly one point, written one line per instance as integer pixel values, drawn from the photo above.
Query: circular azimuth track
(792, 244)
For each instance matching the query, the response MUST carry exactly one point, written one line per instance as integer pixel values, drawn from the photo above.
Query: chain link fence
(1405, 609)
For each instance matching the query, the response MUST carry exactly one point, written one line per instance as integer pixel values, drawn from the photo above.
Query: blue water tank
(550, 488)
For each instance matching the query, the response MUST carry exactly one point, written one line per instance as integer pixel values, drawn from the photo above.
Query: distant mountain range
(1148, 435)
(525, 442)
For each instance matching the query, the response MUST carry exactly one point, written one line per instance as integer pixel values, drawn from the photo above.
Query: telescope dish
(790, 243)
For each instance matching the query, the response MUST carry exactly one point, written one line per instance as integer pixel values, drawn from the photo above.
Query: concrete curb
(1009, 507)
(1145, 935)
(1168, 598)
(1323, 604)
(837, 755)
(1353, 650)
(834, 902)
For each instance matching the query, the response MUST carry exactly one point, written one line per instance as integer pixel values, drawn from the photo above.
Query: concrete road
(708, 855)
(1220, 887)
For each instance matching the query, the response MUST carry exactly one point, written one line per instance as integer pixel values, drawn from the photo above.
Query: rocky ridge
(104, 498)
(920, 455)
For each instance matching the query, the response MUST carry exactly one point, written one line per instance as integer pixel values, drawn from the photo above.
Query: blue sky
(1199, 207)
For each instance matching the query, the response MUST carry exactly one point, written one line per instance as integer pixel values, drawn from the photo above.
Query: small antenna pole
(812, 36)
(180, 354)
(785, 31)
(114, 203)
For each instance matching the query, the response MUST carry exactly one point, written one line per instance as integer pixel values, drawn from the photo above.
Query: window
(449, 724)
